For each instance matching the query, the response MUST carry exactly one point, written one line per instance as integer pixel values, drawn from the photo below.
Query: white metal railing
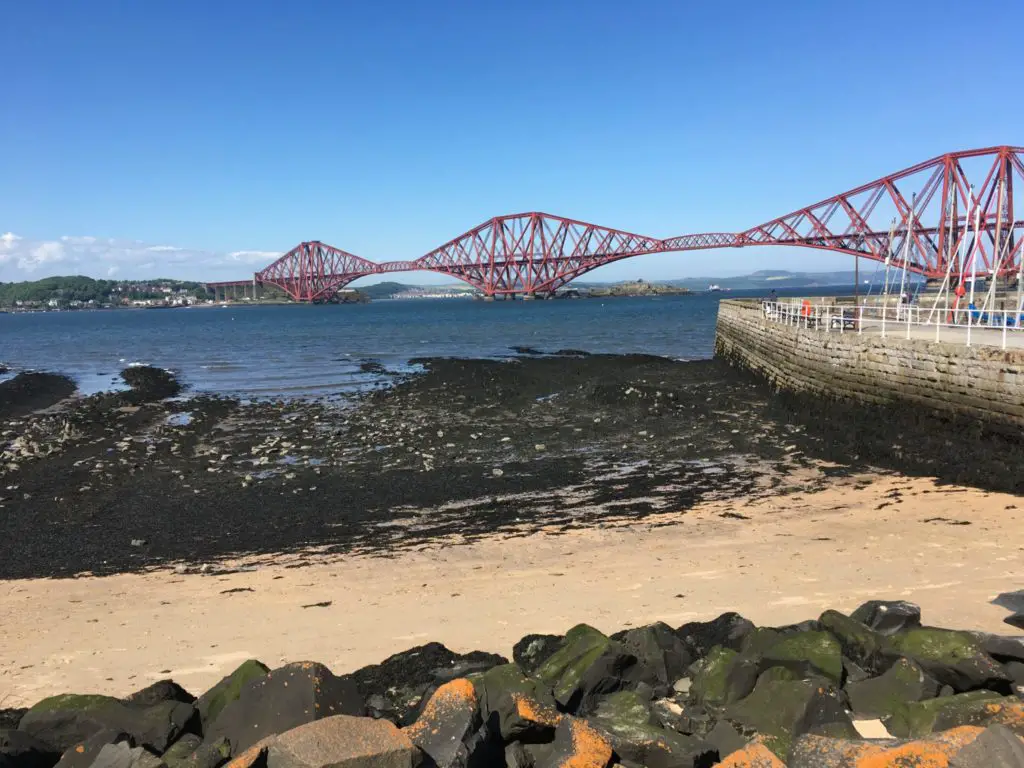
(993, 327)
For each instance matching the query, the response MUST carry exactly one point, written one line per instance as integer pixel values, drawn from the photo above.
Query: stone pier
(979, 382)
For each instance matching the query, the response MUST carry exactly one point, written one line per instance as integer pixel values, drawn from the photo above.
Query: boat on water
(714, 287)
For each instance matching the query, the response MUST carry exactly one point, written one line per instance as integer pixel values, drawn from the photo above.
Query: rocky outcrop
(722, 692)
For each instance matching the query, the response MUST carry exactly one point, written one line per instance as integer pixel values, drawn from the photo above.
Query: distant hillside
(383, 290)
(767, 279)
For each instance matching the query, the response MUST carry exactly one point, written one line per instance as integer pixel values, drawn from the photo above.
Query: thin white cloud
(24, 258)
(254, 257)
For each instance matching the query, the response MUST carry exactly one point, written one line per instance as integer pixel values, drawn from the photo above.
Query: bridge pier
(529, 296)
(489, 298)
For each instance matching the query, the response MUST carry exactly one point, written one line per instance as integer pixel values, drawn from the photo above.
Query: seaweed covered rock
(625, 719)
(149, 383)
(522, 708)
(981, 708)
(65, 720)
(904, 682)
(283, 699)
(728, 631)
(22, 750)
(586, 666)
(953, 658)
(212, 703)
(807, 654)
(662, 658)
(160, 691)
(398, 686)
(722, 677)
(781, 710)
(860, 644)
(533, 650)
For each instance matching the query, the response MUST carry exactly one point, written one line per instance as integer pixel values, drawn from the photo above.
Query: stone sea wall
(978, 382)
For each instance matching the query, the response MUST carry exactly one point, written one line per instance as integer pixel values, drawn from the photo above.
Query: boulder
(980, 708)
(781, 710)
(1001, 647)
(887, 617)
(211, 703)
(576, 745)
(881, 696)
(342, 741)
(68, 719)
(122, 755)
(586, 666)
(516, 756)
(1015, 671)
(83, 754)
(953, 658)
(995, 747)
(533, 650)
(807, 654)
(662, 658)
(21, 750)
(861, 644)
(932, 752)
(451, 731)
(401, 684)
(180, 750)
(625, 719)
(160, 691)
(285, 698)
(725, 738)
(760, 640)
(722, 677)
(9, 718)
(754, 755)
(209, 754)
(728, 631)
(520, 708)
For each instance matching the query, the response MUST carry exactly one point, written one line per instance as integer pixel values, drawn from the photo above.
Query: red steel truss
(532, 253)
(952, 213)
(314, 271)
(949, 215)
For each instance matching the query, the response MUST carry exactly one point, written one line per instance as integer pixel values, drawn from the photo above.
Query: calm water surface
(318, 350)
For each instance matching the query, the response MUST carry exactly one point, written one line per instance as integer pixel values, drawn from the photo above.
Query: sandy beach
(788, 558)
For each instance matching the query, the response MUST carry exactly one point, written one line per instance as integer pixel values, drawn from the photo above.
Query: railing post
(860, 320)
(883, 317)
(1004, 329)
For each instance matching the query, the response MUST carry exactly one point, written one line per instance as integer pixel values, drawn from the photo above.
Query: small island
(637, 288)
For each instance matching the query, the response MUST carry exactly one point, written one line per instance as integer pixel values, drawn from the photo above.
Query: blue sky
(199, 139)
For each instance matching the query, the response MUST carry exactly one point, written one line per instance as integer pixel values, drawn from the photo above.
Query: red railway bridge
(942, 217)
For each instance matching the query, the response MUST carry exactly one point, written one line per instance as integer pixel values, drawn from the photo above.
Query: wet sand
(776, 559)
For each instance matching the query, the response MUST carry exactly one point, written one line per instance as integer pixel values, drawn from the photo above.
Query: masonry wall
(978, 382)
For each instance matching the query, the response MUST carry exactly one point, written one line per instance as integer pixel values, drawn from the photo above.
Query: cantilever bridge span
(954, 213)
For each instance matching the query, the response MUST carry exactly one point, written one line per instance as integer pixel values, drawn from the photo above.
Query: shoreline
(774, 560)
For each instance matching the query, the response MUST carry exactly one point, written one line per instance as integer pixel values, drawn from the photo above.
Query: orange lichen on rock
(450, 697)
(1009, 712)
(754, 755)
(589, 748)
(254, 756)
(535, 712)
(936, 751)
